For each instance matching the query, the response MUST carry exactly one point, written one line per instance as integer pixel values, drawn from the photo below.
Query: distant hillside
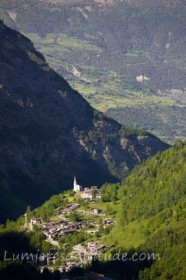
(49, 133)
(123, 56)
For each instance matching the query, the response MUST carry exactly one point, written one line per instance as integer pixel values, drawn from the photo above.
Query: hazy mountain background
(127, 58)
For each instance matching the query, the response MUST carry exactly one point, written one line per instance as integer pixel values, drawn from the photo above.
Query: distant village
(55, 230)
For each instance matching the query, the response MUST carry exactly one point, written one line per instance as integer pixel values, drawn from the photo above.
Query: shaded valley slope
(49, 133)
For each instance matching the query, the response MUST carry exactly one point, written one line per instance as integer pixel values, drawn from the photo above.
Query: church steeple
(77, 188)
(75, 183)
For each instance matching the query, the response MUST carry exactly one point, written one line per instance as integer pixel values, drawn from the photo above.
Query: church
(77, 188)
(87, 193)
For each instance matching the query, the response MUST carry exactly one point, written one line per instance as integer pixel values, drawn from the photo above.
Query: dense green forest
(153, 206)
(149, 207)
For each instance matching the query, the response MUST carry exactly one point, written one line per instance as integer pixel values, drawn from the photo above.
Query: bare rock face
(49, 133)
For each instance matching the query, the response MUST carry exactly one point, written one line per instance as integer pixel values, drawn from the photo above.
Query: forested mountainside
(49, 133)
(145, 238)
(123, 56)
(152, 212)
(151, 215)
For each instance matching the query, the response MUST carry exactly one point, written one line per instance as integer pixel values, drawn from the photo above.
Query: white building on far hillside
(77, 188)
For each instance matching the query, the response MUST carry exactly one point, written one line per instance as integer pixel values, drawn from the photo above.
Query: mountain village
(81, 254)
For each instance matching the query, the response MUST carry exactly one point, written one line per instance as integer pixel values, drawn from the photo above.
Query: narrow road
(53, 242)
